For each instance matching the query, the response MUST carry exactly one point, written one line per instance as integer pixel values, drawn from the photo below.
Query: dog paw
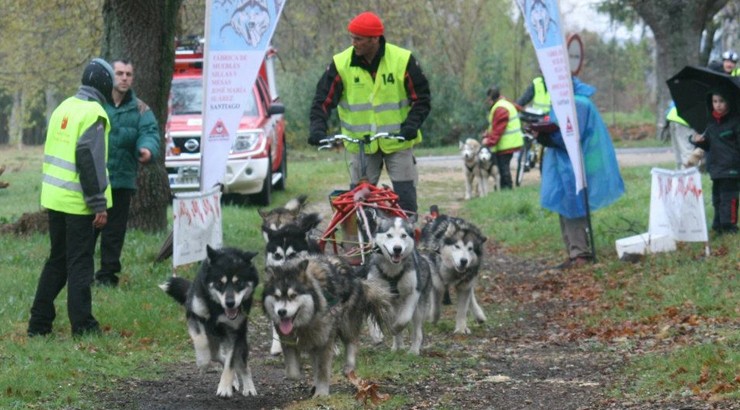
(462, 331)
(249, 390)
(224, 391)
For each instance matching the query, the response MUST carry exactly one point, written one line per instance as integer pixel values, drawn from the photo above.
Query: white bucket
(645, 243)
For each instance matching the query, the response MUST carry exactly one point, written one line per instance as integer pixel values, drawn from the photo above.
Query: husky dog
(276, 218)
(455, 247)
(401, 268)
(469, 151)
(217, 304)
(291, 240)
(285, 229)
(312, 300)
(488, 163)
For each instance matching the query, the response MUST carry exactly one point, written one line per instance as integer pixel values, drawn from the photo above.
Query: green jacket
(133, 126)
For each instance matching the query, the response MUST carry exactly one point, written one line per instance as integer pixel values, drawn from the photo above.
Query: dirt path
(525, 357)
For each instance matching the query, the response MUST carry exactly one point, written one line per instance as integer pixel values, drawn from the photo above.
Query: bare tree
(144, 31)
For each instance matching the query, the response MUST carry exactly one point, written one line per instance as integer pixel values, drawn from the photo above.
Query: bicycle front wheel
(521, 163)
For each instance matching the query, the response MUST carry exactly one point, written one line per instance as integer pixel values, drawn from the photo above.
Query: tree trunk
(15, 126)
(144, 32)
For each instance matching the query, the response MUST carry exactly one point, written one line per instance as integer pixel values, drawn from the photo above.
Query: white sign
(238, 34)
(677, 205)
(542, 20)
(197, 223)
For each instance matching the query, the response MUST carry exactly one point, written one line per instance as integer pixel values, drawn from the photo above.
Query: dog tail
(177, 288)
(378, 303)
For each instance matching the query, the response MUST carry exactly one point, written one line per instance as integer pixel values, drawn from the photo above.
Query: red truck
(257, 162)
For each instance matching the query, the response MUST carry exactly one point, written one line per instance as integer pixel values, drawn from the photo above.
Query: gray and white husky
(217, 305)
(488, 164)
(407, 274)
(469, 151)
(311, 301)
(455, 247)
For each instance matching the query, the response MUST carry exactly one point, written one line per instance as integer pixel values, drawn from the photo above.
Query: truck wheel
(280, 186)
(264, 197)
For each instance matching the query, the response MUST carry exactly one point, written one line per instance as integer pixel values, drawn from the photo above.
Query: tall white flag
(238, 34)
(543, 23)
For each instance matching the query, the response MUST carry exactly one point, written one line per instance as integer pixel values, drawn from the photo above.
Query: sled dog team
(315, 301)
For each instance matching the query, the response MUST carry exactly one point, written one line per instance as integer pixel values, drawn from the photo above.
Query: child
(721, 140)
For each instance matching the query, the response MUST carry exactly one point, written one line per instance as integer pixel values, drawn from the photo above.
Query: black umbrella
(690, 87)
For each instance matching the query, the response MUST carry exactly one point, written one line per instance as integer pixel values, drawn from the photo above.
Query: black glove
(408, 133)
(545, 139)
(315, 139)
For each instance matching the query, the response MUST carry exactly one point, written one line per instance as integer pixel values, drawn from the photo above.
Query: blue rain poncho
(605, 185)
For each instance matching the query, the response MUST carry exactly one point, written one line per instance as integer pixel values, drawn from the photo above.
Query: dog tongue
(286, 326)
(232, 313)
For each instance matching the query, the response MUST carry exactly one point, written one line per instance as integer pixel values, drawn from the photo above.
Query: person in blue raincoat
(558, 188)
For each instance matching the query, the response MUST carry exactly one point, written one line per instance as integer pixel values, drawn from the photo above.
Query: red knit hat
(366, 24)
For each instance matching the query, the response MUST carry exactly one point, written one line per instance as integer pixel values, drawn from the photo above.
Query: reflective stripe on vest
(368, 107)
(673, 116)
(60, 187)
(512, 137)
(541, 100)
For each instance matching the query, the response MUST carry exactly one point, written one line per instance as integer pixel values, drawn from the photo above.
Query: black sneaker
(109, 281)
(36, 332)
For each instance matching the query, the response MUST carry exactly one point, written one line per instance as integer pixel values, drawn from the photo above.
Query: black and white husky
(455, 247)
(312, 300)
(217, 305)
(407, 274)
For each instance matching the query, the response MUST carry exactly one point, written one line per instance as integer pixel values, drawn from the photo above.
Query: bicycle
(353, 206)
(530, 156)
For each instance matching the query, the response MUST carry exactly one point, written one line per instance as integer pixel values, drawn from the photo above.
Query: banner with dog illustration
(543, 23)
(238, 34)
(197, 223)
(677, 205)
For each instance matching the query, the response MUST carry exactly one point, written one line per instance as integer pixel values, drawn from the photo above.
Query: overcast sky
(581, 15)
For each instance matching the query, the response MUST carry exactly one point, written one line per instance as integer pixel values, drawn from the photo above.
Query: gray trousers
(575, 237)
(402, 172)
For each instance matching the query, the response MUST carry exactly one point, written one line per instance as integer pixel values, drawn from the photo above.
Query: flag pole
(588, 221)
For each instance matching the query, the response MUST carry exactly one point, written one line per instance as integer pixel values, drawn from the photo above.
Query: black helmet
(99, 75)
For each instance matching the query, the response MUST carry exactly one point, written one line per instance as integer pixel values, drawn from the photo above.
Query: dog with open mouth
(217, 304)
(313, 300)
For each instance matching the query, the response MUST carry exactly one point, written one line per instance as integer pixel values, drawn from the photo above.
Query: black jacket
(722, 143)
(330, 88)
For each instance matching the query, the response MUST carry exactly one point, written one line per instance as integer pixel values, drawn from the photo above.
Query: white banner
(677, 205)
(197, 223)
(238, 34)
(543, 23)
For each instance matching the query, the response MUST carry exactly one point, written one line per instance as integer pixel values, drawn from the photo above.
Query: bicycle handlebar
(329, 141)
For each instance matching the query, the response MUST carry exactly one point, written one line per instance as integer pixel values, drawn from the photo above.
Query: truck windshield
(187, 98)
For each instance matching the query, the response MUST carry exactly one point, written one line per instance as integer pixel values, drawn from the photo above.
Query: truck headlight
(245, 142)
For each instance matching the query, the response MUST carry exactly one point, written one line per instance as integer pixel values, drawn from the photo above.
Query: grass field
(56, 373)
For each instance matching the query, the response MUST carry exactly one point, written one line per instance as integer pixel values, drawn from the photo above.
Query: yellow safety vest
(541, 100)
(61, 190)
(673, 116)
(512, 137)
(368, 107)
(735, 72)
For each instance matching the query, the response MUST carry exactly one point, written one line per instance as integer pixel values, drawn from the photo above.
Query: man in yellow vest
(504, 134)
(537, 94)
(680, 132)
(76, 192)
(376, 87)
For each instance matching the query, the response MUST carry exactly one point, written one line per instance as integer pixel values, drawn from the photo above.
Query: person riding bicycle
(504, 133)
(377, 87)
(537, 94)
